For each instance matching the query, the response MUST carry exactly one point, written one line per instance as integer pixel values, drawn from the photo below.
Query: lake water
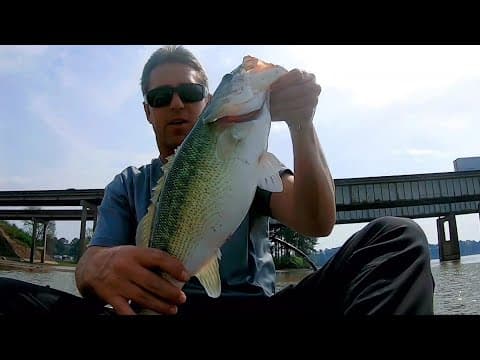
(457, 283)
(457, 286)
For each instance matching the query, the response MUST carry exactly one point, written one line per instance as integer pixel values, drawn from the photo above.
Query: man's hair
(171, 54)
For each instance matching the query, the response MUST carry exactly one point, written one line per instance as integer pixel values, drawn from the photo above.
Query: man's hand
(307, 202)
(294, 97)
(123, 273)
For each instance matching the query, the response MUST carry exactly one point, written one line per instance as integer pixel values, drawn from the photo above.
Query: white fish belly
(229, 209)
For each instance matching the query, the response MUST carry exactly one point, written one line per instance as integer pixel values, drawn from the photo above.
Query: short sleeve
(261, 202)
(115, 220)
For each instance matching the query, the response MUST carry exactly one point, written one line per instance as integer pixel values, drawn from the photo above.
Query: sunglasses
(162, 95)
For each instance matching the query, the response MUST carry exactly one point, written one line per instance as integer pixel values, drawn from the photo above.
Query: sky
(72, 116)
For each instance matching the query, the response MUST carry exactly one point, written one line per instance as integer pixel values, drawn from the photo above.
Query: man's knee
(405, 228)
(395, 221)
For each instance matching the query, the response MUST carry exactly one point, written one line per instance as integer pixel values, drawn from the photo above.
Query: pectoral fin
(209, 277)
(225, 145)
(268, 173)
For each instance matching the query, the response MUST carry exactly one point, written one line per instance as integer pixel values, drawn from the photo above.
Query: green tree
(51, 227)
(28, 224)
(75, 244)
(74, 248)
(302, 242)
(14, 232)
(88, 235)
(60, 246)
(292, 262)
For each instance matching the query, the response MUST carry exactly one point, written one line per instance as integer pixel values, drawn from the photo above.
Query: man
(382, 269)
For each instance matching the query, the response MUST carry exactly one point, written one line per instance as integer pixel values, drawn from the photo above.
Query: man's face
(173, 122)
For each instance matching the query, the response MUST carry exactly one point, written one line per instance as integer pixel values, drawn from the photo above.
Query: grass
(66, 263)
(14, 232)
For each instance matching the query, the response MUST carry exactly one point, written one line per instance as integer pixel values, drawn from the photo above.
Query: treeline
(285, 258)
(467, 247)
(16, 233)
(55, 246)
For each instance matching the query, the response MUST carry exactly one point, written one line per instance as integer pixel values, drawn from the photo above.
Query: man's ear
(146, 108)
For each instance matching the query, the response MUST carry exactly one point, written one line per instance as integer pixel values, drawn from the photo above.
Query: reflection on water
(61, 280)
(292, 276)
(457, 286)
(457, 283)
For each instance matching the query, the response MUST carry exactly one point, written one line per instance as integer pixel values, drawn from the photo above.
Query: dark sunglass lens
(191, 92)
(160, 97)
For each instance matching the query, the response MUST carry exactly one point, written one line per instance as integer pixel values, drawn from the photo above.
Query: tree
(60, 246)
(75, 244)
(28, 224)
(286, 258)
(74, 249)
(51, 238)
(302, 242)
(51, 227)
(88, 235)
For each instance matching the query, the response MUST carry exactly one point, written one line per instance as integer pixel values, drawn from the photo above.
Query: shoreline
(6, 264)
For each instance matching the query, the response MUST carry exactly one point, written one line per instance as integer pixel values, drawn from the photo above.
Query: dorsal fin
(144, 228)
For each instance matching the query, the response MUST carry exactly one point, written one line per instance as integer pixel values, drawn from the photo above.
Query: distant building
(467, 163)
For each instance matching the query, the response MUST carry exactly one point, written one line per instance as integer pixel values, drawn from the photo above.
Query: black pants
(383, 269)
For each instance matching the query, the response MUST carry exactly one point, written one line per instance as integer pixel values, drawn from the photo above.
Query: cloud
(457, 122)
(14, 182)
(424, 152)
(383, 110)
(378, 75)
(85, 163)
(17, 58)
(39, 106)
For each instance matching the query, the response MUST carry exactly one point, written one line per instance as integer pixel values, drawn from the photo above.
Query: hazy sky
(72, 116)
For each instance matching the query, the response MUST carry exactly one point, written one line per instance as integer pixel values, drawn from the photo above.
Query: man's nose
(176, 102)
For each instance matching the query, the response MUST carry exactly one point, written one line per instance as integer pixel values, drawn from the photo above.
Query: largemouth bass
(210, 182)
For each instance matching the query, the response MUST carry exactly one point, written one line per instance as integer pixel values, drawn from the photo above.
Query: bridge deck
(413, 196)
(357, 199)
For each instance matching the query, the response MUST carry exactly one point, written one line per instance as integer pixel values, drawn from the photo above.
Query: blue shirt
(246, 265)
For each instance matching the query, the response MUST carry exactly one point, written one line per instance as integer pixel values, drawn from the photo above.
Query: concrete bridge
(441, 195)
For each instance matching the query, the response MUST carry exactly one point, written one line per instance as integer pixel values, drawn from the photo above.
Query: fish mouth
(230, 119)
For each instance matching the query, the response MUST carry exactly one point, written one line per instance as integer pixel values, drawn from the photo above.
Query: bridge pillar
(34, 239)
(44, 237)
(83, 225)
(448, 249)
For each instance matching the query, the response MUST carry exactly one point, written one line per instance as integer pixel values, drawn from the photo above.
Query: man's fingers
(159, 286)
(297, 90)
(149, 301)
(293, 76)
(158, 259)
(121, 306)
(294, 98)
(142, 298)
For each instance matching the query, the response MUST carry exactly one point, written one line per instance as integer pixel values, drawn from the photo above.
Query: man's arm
(307, 203)
(116, 272)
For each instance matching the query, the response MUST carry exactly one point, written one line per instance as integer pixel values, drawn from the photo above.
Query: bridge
(442, 195)
(88, 200)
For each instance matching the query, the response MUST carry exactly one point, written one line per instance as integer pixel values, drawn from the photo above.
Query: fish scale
(188, 191)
